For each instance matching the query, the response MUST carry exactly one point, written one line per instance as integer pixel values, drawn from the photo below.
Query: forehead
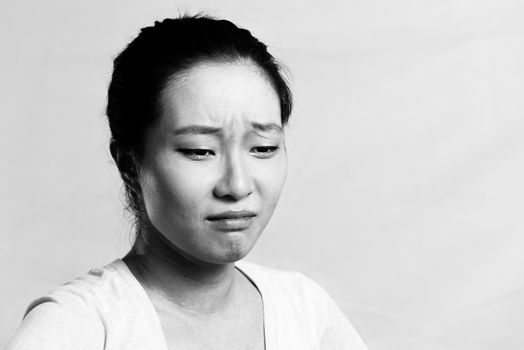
(219, 94)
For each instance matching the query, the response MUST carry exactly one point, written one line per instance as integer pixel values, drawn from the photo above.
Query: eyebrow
(210, 130)
(197, 130)
(267, 127)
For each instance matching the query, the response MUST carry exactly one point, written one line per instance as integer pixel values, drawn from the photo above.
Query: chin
(232, 251)
(225, 257)
(234, 257)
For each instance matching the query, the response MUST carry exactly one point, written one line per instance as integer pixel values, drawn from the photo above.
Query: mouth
(232, 220)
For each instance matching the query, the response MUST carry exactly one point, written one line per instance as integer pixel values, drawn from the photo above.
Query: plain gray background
(404, 196)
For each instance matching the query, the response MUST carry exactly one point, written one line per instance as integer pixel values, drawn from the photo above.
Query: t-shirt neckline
(244, 268)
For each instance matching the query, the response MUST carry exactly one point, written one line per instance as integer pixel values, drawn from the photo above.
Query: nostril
(228, 198)
(236, 182)
(233, 190)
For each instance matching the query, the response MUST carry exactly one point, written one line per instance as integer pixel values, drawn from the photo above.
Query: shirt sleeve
(50, 324)
(335, 331)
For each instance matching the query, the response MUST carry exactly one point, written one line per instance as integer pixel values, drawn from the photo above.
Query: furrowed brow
(268, 127)
(197, 130)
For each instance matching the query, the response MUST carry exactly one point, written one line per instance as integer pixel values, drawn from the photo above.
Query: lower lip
(238, 224)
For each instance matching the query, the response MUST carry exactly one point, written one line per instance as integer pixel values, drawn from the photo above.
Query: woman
(196, 108)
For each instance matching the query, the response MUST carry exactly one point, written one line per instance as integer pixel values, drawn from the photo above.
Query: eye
(264, 151)
(196, 153)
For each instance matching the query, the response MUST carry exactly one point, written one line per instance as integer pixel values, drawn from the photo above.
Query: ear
(126, 163)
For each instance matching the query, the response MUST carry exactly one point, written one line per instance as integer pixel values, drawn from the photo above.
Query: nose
(236, 181)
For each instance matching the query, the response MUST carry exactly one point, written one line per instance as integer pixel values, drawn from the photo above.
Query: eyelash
(265, 151)
(196, 153)
(202, 154)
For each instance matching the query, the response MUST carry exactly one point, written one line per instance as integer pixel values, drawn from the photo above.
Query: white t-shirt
(107, 308)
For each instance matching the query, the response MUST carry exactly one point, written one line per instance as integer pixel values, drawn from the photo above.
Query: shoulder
(273, 275)
(81, 293)
(69, 314)
(286, 284)
(303, 307)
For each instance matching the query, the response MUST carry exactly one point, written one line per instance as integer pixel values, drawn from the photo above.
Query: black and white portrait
(262, 175)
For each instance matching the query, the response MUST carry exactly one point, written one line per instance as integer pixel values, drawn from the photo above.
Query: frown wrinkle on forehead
(221, 96)
(210, 130)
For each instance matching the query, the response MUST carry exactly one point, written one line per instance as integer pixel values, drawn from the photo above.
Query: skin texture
(187, 176)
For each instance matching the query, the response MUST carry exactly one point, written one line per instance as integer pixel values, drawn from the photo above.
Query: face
(215, 162)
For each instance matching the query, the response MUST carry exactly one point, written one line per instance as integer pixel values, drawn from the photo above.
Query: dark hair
(143, 68)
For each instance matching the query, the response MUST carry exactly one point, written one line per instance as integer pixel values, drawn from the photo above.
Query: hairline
(175, 78)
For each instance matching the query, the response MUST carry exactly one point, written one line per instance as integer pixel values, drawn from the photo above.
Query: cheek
(272, 179)
(170, 192)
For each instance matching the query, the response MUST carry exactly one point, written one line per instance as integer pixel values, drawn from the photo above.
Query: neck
(171, 278)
